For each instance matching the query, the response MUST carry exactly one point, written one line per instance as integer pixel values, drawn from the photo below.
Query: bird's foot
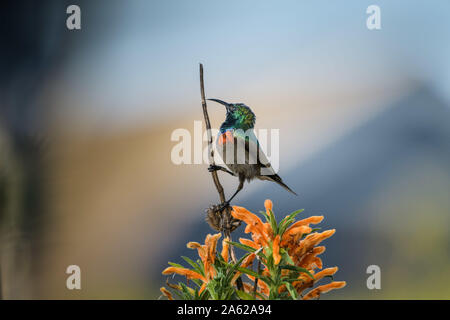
(213, 168)
(223, 206)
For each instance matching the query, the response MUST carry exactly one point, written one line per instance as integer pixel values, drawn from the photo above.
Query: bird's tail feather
(276, 178)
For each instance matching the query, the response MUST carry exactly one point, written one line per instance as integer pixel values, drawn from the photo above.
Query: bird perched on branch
(240, 150)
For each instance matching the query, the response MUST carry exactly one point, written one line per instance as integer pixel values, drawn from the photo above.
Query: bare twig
(225, 222)
(256, 278)
(210, 139)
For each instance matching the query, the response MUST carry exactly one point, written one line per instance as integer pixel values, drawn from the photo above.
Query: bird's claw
(213, 168)
(223, 206)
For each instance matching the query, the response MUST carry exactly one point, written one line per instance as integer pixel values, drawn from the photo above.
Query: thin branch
(210, 139)
(226, 219)
(256, 278)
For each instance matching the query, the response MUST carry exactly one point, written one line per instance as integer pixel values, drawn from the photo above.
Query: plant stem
(226, 214)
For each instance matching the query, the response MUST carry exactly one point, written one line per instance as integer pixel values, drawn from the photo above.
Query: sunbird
(248, 161)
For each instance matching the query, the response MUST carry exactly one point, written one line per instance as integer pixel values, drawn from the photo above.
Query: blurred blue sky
(142, 61)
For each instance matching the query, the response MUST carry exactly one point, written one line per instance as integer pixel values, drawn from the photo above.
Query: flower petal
(190, 274)
(225, 249)
(276, 250)
(315, 293)
(268, 205)
(167, 293)
(249, 243)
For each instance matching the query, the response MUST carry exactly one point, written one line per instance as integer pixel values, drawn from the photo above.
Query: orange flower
(297, 243)
(247, 261)
(249, 243)
(210, 248)
(312, 240)
(254, 224)
(303, 252)
(166, 293)
(225, 247)
(306, 222)
(184, 272)
(276, 250)
(292, 235)
(315, 293)
(268, 205)
(306, 282)
(207, 253)
(200, 249)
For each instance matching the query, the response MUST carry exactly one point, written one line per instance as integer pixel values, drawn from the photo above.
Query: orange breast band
(227, 136)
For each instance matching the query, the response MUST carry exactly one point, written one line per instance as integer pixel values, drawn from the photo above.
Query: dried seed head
(221, 220)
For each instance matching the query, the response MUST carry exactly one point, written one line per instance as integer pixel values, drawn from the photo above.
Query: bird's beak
(227, 105)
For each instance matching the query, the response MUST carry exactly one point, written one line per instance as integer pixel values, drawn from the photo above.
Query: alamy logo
(374, 20)
(73, 21)
(374, 280)
(74, 280)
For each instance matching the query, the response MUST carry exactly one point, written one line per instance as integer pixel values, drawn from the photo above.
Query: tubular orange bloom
(246, 216)
(254, 223)
(210, 248)
(319, 250)
(207, 253)
(325, 272)
(200, 249)
(260, 239)
(310, 260)
(247, 261)
(184, 272)
(297, 230)
(268, 205)
(306, 222)
(166, 293)
(225, 249)
(249, 243)
(305, 282)
(268, 230)
(312, 240)
(315, 293)
(292, 235)
(276, 250)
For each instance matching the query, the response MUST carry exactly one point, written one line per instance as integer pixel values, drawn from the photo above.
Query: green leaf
(200, 264)
(197, 282)
(242, 246)
(291, 290)
(298, 269)
(244, 295)
(273, 222)
(234, 267)
(287, 221)
(286, 256)
(249, 272)
(186, 292)
(265, 216)
(193, 264)
(176, 265)
(287, 279)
